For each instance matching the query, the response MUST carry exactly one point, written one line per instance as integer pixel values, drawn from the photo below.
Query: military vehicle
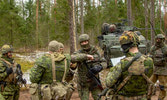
(109, 40)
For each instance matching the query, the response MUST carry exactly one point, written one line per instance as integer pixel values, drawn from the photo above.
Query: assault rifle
(20, 75)
(93, 77)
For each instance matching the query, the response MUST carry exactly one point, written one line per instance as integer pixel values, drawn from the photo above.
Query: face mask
(126, 47)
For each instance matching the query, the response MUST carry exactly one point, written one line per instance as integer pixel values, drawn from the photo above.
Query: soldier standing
(129, 79)
(159, 54)
(8, 74)
(85, 83)
(48, 76)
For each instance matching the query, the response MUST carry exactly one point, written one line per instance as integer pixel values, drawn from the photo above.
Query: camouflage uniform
(159, 54)
(85, 85)
(41, 75)
(9, 87)
(134, 88)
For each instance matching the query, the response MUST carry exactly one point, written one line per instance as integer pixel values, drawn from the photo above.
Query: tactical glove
(9, 70)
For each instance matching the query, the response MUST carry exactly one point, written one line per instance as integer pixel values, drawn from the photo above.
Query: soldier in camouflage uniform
(129, 79)
(48, 76)
(84, 83)
(159, 54)
(8, 77)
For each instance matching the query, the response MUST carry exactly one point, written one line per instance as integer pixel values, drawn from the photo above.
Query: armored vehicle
(109, 40)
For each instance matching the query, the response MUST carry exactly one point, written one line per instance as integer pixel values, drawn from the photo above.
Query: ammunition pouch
(34, 90)
(46, 92)
(61, 91)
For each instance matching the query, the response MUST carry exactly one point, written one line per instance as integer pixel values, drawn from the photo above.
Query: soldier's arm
(78, 57)
(149, 65)
(36, 73)
(3, 73)
(113, 75)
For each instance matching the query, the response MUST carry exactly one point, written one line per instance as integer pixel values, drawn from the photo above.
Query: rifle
(93, 77)
(20, 75)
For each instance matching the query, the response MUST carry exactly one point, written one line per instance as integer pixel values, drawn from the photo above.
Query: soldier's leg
(163, 86)
(95, 93)
(16, 95)
(83, 92)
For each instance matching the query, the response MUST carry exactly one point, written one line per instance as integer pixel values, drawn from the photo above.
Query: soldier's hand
(90, 57)
(9, 70)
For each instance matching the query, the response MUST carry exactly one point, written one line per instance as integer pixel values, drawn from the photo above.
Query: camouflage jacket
(80, 57)
(9, 88)
(41, 73)
(136, 85)
(159, 55)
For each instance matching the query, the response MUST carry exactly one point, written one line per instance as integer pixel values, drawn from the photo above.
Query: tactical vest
(137, 69)
(159, 56)
(12, 77)
(82, 70)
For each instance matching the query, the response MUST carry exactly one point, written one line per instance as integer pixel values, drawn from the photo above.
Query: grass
(25, 65)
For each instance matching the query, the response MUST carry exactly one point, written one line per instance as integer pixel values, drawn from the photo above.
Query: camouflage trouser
(86, 89)
(11, 92)
(163, 84)
(120, 97)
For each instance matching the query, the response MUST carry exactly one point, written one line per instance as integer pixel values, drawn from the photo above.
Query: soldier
(85, 83)
(159, 54)
(8, 74)
(48, 76)
(129, 79)
(61, 47)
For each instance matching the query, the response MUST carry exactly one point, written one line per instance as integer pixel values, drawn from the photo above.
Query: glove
(9, 70)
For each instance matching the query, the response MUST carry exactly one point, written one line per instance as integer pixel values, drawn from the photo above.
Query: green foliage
(18, 21)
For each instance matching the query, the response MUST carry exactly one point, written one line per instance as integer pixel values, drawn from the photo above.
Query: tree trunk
(55, 15)
(82, 17)
(129, 13)
(152, 18)
(37, 37)
(72, 27)
(146, 18)
(165, 16)
(160, 19)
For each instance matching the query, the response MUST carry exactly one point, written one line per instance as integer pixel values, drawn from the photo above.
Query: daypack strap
(65, 70)
(53, 68)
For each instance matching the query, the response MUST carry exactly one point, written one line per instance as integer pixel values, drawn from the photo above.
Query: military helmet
(112, 28)
(61, 45)
(129, 37)
(160, 36)
(105, 28)
(53, 46)
(83, 37)
(6, 48)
